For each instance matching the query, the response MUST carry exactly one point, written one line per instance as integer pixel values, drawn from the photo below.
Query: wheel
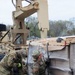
(2, 27)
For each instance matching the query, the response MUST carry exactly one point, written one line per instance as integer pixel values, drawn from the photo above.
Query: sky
(57, 10)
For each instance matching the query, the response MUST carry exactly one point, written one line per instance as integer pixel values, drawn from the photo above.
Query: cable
(4, 35)
(28, 1)
(17, 38)
(25, 0)
(13, 3)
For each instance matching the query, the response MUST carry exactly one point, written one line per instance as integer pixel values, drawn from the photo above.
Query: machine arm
(23, 12)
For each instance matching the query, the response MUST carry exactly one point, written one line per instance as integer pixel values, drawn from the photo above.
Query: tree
(32, 23)
(61, 28)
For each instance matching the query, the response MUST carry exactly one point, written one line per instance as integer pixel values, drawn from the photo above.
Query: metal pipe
(48, 61)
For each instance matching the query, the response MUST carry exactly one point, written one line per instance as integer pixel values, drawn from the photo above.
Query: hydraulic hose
(28, 1)
(13, 4)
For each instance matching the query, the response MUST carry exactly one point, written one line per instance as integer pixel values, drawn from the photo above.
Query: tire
(2, 27)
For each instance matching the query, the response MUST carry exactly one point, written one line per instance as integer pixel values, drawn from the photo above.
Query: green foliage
(61, 28)
(32, 23)
(57, 28)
